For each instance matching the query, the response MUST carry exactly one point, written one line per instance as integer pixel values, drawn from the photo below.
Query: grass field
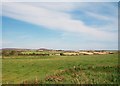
(84, 69)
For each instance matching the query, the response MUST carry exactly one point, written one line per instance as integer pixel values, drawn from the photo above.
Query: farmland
(82, 69)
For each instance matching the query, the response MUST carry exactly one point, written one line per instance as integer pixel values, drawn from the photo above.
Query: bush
(61, 54)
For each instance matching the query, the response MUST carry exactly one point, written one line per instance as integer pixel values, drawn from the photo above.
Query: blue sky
(64, 25)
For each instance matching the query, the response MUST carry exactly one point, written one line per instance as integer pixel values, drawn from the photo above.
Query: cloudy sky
(60, 25)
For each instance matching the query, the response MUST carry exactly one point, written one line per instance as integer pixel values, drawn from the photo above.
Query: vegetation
(16, 52)
(83, 69)
(10, 52)
(48, 52)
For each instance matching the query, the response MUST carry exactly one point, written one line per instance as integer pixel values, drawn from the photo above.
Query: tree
(5, 52)
(13, 52)
(61, 54)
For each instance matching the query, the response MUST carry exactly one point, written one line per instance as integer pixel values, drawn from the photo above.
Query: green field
(83, 69)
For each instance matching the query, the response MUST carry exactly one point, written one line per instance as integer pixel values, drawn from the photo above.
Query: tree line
(19, 53)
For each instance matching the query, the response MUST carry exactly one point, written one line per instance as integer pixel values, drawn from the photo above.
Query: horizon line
(54, 49)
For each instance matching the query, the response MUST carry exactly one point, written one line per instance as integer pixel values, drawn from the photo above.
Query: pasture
(83, 69)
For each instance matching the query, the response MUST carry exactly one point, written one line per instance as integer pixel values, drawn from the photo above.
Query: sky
(60, 25)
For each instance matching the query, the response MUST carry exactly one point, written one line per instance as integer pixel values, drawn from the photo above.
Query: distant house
(111, 53)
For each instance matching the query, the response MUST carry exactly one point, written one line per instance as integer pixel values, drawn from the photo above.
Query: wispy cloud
(58, 17)
(55, 17)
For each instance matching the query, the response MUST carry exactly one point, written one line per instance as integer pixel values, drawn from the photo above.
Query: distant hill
(45, 49)
(17, 49)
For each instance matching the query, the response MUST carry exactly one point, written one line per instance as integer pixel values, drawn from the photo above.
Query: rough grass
(90, 69)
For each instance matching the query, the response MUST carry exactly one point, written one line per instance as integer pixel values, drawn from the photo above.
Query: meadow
(83, 69)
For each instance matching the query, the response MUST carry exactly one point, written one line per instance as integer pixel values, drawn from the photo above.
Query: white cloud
(48, 16)
(61, 6)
